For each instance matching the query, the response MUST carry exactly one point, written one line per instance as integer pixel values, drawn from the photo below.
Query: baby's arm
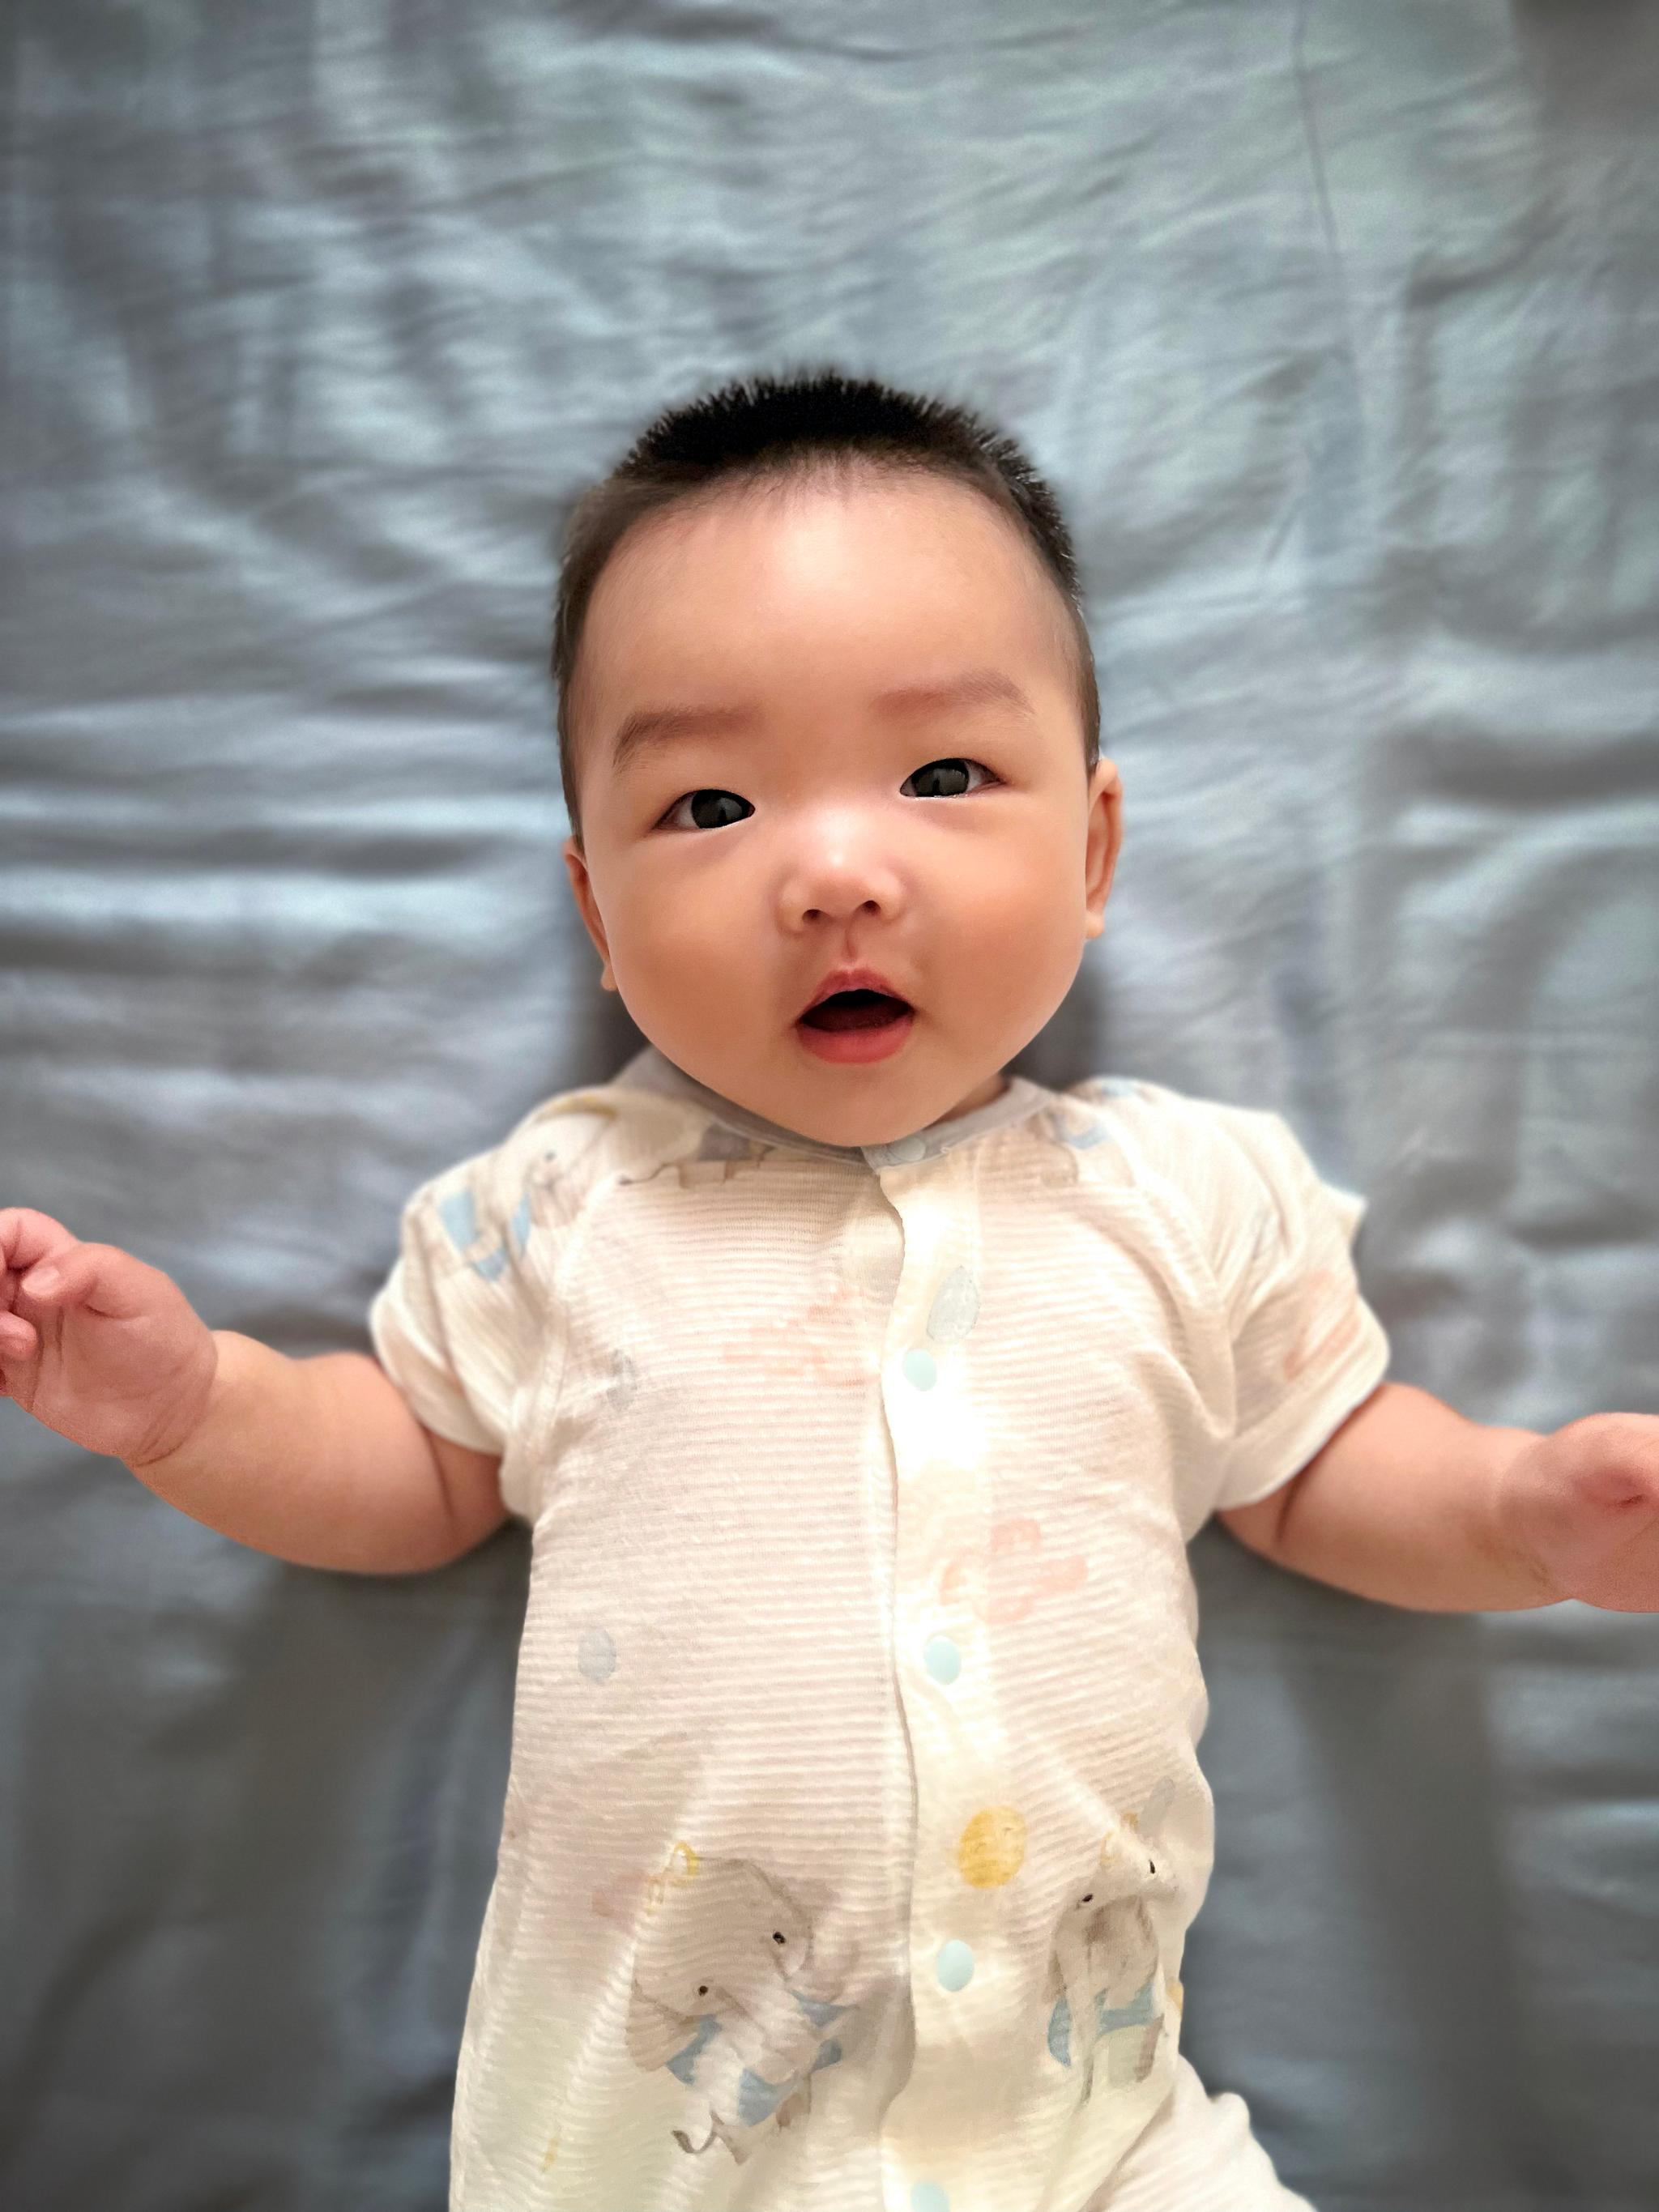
(318, 1461)
(1413, 1504)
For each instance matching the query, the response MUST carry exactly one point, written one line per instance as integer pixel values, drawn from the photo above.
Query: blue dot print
(941, 1658)
(919, 1369)
(928, 2196)
(596, 1654)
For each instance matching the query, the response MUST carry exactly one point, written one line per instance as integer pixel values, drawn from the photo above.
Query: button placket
(939, 1457)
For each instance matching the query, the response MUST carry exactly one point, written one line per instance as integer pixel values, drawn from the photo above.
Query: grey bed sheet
(1337, 327)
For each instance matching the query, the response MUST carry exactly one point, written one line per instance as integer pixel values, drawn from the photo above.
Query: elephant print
(721, 1155)
(1104, 1974)
(720, 1998)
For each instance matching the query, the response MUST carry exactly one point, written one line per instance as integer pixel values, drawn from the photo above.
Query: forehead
(805, 528)
(868, 584)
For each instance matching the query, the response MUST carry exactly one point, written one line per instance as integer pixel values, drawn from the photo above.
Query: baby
(861, 1400)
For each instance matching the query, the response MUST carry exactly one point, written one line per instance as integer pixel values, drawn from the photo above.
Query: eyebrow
(650, 728)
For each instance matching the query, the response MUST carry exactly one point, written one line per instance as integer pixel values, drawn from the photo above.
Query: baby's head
(753, 805)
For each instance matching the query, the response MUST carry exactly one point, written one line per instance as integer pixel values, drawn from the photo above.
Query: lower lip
(857, 1046)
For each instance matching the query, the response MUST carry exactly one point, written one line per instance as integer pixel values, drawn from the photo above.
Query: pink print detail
(822, 1340)
(1321, 1338)
(632, 1894)
(621, 1901)
(1001, 1580)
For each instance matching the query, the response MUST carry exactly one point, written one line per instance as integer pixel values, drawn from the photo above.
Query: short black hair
(801, 424)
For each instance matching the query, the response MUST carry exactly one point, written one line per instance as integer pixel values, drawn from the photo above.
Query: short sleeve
(1306, 1349)
(461, 1324)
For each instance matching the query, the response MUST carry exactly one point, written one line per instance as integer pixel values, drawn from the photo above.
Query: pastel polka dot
(621, 1382)
(596, 1654)
(992, 1848)
(941, 1658)
(921, 1368)
(928, 2196)
(955, 1965)
(955, 1307)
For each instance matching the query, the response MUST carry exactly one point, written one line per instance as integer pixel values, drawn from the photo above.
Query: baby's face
(805, 822)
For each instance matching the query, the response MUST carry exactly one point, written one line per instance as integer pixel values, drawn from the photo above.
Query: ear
(814, 1897)
(588, 907)
(1105, 837)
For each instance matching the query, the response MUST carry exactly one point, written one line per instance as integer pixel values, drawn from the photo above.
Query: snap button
(955, 1965)
(941, 1658)
(921, 1368)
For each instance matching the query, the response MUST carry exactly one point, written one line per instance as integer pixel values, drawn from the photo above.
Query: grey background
(1336, 326)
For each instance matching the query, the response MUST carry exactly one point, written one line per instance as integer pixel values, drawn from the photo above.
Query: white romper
(854, 1821)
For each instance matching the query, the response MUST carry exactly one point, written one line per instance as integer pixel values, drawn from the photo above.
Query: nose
(838, 869)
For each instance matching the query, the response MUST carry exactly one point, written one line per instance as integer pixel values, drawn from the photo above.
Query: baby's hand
(110, 1354)
(1584, 1505)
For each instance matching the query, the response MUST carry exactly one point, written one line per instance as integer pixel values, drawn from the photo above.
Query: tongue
(855, 1009)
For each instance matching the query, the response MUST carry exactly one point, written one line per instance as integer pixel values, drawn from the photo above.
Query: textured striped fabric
(854, 1821)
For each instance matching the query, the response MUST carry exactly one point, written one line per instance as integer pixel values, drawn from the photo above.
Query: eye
(722, 801)
(951, 770)
(712, 809)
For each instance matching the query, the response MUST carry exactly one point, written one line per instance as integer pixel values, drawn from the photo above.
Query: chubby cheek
(680, 957)
(1010, 938)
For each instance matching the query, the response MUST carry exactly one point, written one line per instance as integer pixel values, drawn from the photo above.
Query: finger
(101, 1278)
(18, 1338)
(1614, 1458)
(27, 1236)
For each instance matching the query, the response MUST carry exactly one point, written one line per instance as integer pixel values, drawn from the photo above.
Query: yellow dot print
(992, 1847)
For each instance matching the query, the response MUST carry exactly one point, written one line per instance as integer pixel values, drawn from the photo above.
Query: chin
(865, 1122)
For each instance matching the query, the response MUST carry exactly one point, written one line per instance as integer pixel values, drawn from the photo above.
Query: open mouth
(855, 1009)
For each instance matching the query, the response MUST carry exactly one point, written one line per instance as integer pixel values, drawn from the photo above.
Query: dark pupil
(1090, 1899)
(777, 1938)
(703, 1989)
(722, 800)
(956, 769)
(939, 778)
